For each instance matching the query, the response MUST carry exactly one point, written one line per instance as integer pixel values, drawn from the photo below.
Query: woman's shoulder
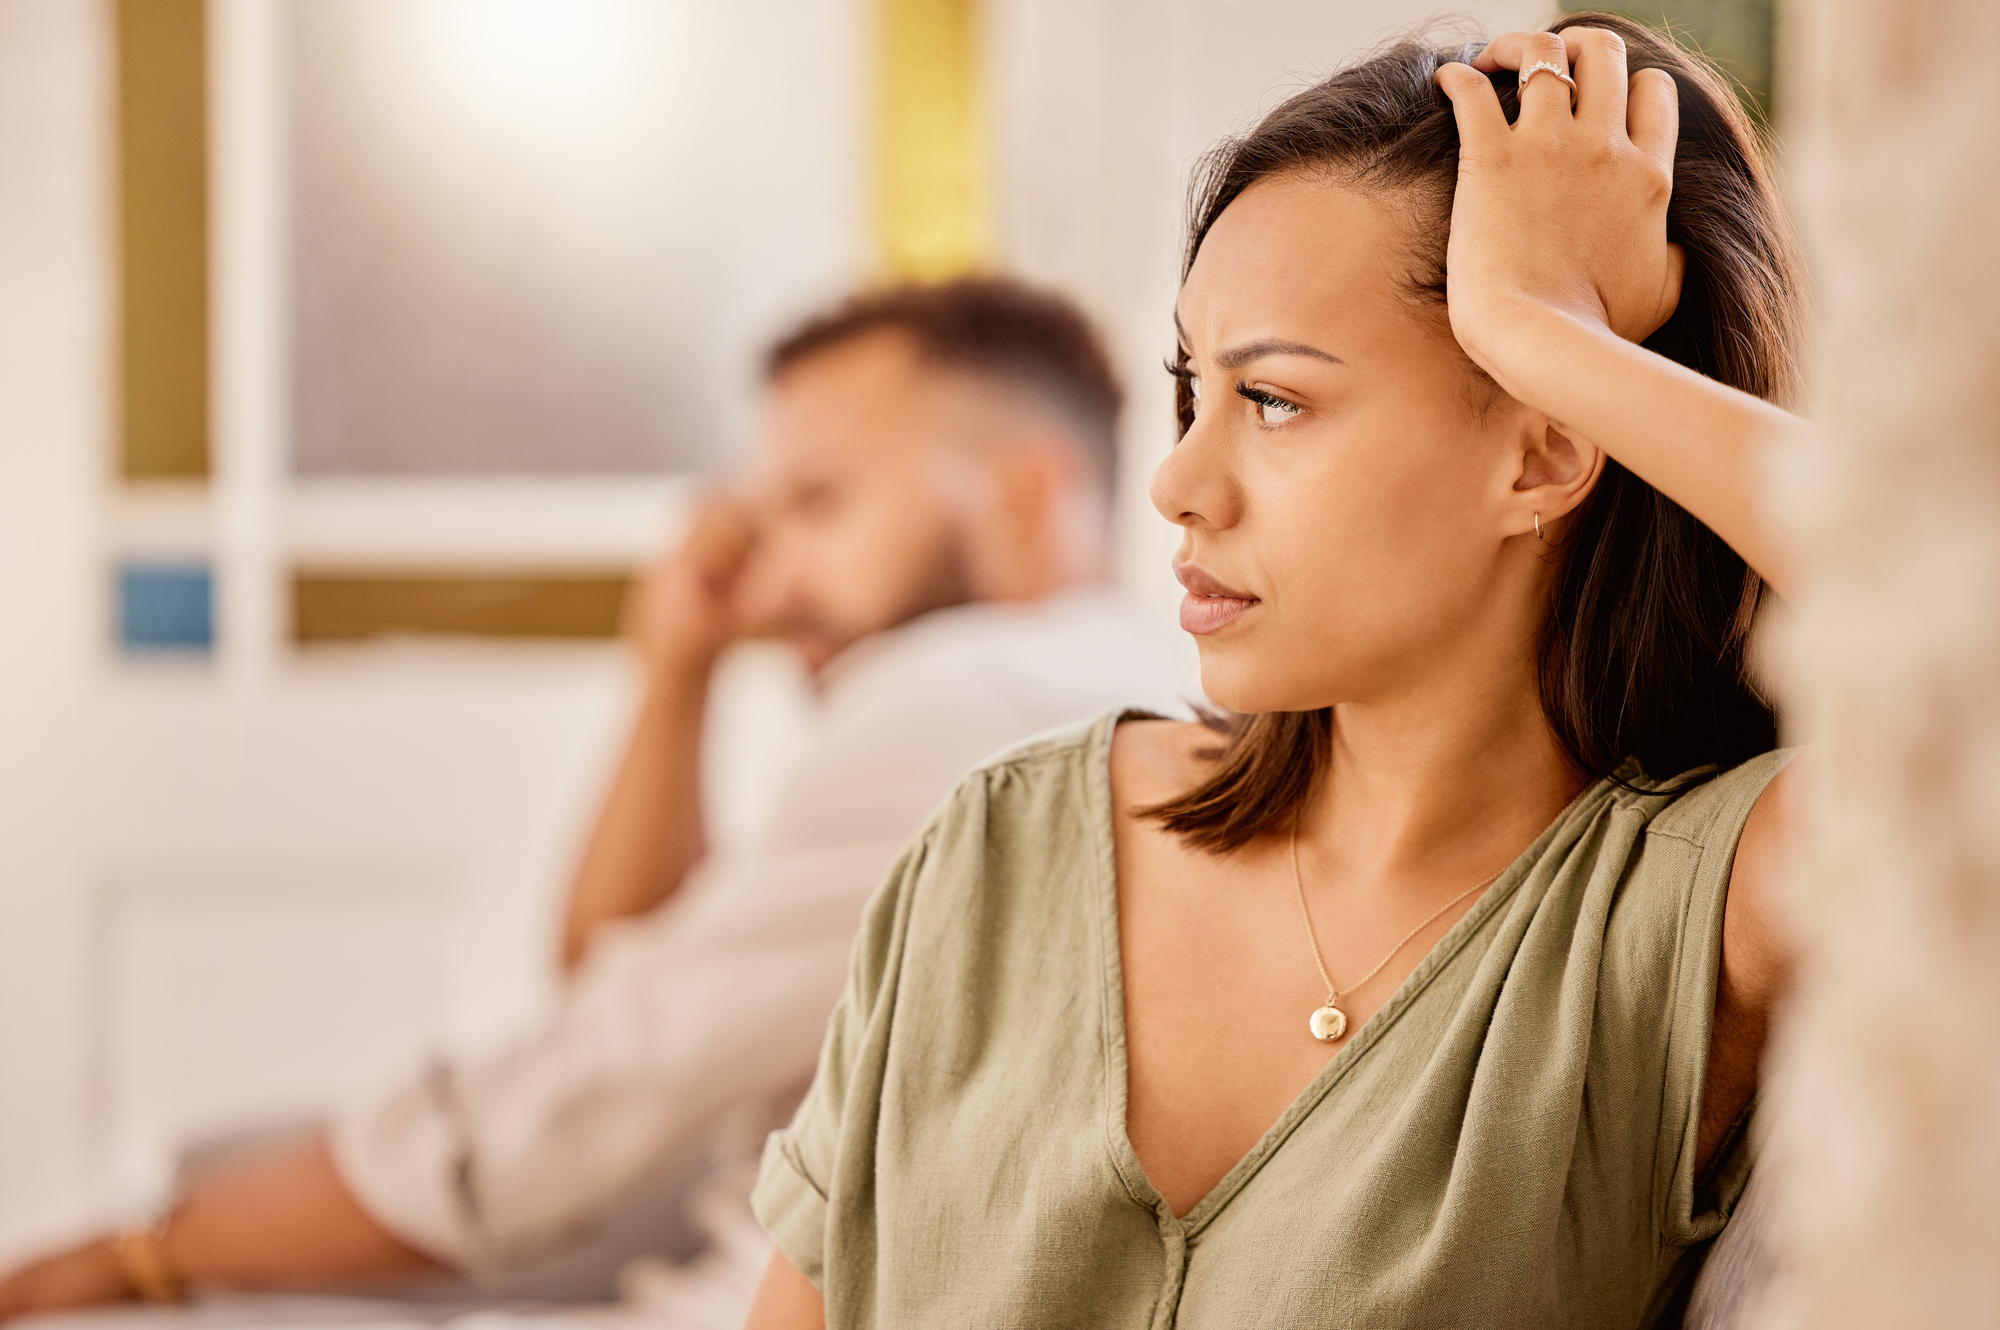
(1061, 787)
(1051, 776)
(1150, 753)
(1154, 759)
(1022, 836)
(1703, 810)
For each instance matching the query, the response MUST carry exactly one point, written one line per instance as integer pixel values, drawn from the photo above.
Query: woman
(1431, 992)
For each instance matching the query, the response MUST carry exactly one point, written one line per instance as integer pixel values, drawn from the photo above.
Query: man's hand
(81, 1277)
(687, 607)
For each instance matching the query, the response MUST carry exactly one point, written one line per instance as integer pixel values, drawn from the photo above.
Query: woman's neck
(1451, 782)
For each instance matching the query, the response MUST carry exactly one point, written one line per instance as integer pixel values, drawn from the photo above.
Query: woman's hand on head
(1565, 209)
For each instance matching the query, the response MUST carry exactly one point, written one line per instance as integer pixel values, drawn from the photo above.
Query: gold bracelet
(148, 1268)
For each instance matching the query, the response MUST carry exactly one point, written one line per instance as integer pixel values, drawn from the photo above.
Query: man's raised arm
(650, 830)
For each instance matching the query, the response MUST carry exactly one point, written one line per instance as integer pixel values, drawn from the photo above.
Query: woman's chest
(1225, 973)
(1215, 1005)
(1002, 1166)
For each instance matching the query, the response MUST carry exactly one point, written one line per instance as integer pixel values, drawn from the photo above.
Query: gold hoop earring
(1538, 528)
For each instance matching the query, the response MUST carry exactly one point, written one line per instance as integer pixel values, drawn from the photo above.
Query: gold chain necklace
(1329, 1023)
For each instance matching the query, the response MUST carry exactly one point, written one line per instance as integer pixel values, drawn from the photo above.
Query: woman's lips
(1209, 605)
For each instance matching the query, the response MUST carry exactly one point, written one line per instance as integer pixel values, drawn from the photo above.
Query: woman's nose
(1192, 485)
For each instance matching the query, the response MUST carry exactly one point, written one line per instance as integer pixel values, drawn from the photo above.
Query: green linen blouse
(1508, 1141)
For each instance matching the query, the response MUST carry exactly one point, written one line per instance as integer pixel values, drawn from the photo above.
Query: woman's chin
(1225, 684)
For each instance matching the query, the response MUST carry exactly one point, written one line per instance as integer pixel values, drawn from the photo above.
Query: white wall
(54, 244)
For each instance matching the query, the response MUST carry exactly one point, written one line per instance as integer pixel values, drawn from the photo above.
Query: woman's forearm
(1701, 443)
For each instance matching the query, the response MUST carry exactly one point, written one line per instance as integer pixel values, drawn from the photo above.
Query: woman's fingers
(1543, 94)
(1653, 115)
(1646, 105)
(1595, 58)
(1599, 55)
(1510, 50)
(1474, 104)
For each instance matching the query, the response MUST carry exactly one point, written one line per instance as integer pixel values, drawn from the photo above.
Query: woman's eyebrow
(1239, 356)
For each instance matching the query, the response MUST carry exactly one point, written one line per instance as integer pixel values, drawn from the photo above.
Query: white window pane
(550, 235)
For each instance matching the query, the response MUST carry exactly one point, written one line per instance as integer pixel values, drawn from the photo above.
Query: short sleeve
(1706, 826)
(796, 1178)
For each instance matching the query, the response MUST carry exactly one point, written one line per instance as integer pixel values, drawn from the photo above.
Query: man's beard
(944, 581)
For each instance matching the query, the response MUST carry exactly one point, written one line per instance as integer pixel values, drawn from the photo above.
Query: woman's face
(1351, 522)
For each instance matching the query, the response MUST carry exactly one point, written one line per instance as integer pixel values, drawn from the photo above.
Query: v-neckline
(1117, 1087)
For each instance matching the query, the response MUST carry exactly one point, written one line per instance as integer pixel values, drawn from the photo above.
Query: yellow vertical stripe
(163, 237)
(933, 201)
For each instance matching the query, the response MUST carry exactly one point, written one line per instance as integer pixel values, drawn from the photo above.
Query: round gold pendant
(1328, 1023)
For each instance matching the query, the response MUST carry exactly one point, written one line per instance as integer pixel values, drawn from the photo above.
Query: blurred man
(928, 528)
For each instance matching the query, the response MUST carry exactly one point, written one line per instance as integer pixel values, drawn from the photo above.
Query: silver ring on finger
(1551, 67)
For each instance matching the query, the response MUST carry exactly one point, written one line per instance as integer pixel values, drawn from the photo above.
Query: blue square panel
(166, 607)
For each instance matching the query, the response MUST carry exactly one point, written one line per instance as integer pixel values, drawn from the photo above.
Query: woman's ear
(1557, 472)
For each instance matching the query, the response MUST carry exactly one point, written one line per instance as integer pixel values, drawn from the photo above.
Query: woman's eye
(1271, 409)
(1194, 387)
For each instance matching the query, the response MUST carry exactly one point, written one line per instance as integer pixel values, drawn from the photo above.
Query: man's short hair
(994, 327)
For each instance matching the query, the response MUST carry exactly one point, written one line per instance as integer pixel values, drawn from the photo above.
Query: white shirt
(692, 1029)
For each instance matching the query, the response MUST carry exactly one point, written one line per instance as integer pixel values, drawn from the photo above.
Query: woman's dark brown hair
(1642, 652)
